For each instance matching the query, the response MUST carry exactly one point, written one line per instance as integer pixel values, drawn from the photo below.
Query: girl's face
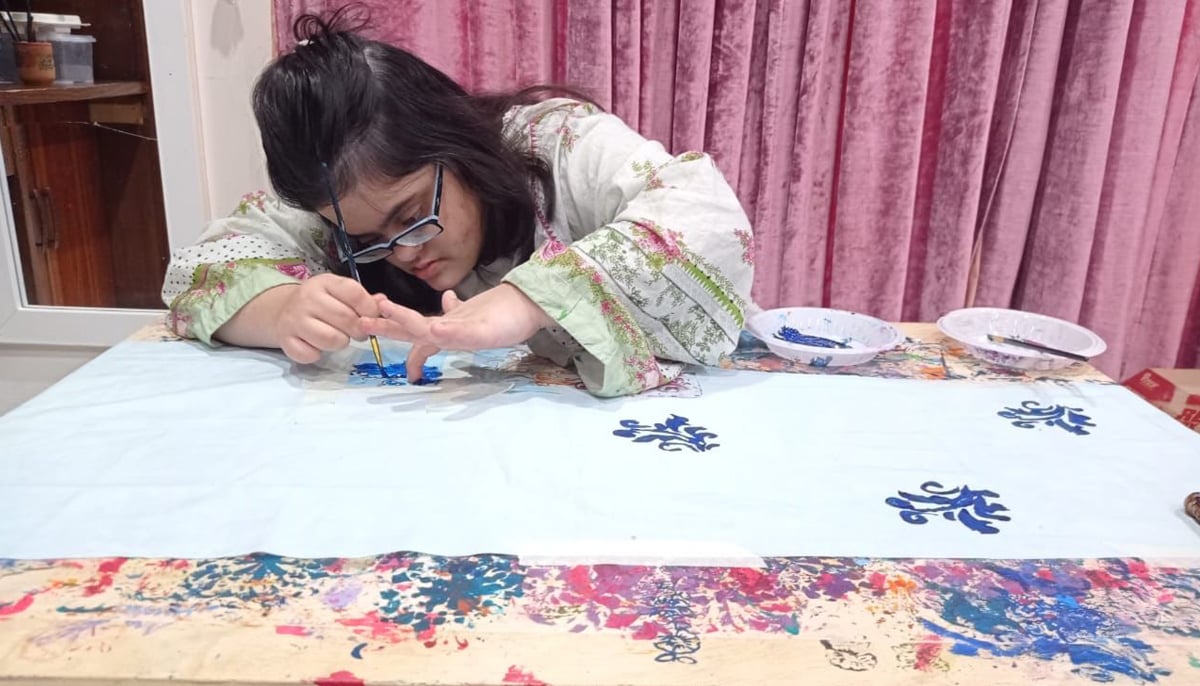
(376, 211)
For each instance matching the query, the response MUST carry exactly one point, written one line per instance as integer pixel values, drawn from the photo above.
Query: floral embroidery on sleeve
(256, 199)
(648, 171)
(747, 240)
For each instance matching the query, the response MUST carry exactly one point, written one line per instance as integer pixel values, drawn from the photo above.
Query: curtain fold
(904, 158)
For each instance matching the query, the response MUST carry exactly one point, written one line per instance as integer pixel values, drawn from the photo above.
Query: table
(410, 618)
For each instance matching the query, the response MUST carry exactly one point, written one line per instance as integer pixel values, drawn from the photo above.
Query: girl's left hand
(497, 318)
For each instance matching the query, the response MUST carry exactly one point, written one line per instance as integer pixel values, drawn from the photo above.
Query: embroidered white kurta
(648, 260)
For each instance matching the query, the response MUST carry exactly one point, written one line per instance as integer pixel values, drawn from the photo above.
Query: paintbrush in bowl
(1022, 343)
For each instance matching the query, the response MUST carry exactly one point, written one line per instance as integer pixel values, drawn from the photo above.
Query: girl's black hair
(373, 111)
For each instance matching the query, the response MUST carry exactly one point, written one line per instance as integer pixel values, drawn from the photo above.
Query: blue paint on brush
(787, 333)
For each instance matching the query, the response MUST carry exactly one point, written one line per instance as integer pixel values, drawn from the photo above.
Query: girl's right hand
(322, 314)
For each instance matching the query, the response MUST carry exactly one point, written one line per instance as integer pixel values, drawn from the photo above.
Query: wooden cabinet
(83, 172)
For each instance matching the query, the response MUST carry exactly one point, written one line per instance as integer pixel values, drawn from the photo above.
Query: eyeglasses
(418, 233)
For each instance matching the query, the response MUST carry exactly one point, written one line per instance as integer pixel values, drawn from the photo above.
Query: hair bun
(313, 29)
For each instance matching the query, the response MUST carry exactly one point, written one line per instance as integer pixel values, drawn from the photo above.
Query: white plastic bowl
(971, 327)
(817, 335)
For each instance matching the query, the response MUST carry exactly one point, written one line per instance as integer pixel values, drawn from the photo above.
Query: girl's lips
(427, 269)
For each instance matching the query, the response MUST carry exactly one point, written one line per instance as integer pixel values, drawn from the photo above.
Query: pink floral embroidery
(747, 240)
(179, 323)
(646, 371)
(256, 199)
(656, 239)
(551, 249)
(567, 136)
(296, 270)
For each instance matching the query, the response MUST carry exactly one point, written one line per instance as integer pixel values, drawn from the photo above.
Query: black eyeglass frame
(379, 251)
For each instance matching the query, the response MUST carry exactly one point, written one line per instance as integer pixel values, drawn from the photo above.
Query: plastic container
(49, 23)
(8, 60)
(72, 57)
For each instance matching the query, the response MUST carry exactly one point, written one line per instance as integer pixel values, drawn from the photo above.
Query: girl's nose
(403, 254)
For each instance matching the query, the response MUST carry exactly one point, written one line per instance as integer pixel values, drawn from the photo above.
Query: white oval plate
(971, 327)
(823, 337)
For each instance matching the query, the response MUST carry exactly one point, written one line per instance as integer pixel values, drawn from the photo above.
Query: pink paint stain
(878, 581)
(754, 583)
(1138, 569)
(107, 569)
(620, 621)
(927, 653)
(342, 678)
(371, 625)
(462, 645)
(647, 631)
(1102, 579)
(579, 580)
(9, 609)
(516, 675)
(289, 630)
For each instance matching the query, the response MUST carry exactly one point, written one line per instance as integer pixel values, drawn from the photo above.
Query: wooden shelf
(17, 94)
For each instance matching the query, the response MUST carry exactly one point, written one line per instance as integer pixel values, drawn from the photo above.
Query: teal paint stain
(84, 610)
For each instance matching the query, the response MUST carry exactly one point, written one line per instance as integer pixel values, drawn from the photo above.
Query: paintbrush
(343, 240)
(10, 24)
(1022, 343)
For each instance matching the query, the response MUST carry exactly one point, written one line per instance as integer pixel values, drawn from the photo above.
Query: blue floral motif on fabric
(673, 435)
(963, 504)
(1030, 413)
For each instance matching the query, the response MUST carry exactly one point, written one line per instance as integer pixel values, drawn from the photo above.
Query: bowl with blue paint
(822, 337)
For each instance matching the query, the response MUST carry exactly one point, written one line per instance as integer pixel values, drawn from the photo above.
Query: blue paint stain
(787, 333)
(397, 374)
(1046, 625)
(357, 652)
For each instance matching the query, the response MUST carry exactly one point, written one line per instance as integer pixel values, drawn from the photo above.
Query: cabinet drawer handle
(35, 197)
(52, 242)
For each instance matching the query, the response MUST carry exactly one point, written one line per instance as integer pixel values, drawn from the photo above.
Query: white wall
(232, 40)
(26, 370)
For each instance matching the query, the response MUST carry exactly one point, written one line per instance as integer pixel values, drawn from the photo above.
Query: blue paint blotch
(787, 333)
(369, 373)
(357, 652)
(1069, 419)
(673, 435)
(1025, 612)
(963, 504)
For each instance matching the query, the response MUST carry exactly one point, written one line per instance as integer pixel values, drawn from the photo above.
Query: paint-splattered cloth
(647, 261)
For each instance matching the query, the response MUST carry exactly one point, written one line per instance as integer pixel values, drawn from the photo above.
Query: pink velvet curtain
(901, 158)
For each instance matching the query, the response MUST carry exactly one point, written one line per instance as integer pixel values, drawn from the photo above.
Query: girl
(473, 221)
